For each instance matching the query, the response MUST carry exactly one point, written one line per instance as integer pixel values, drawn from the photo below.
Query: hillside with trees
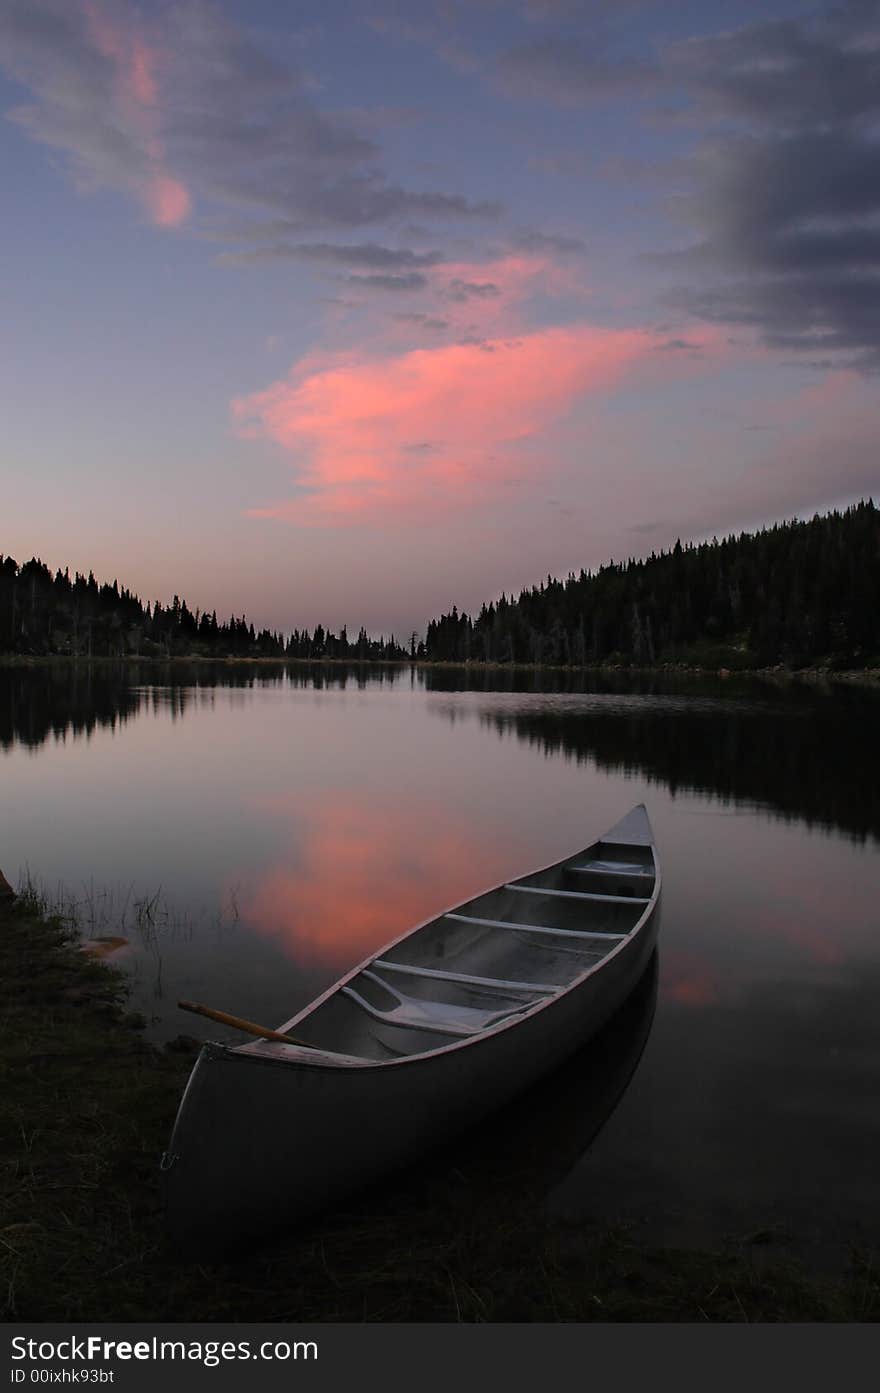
(796, 594)
(46, 615)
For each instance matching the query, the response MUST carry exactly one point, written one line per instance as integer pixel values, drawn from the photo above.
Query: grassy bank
(86, 1107)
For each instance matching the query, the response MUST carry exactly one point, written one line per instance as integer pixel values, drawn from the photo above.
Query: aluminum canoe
(447, 1022)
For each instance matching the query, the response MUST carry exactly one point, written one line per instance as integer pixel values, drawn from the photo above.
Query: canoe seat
(605, 866)
(506, 985)
(441, 1017)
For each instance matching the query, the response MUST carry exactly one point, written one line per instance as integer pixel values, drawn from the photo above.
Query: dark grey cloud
(785, 199)
(541, 11)
(783, 195)
(558, 244)
(782, 73)
(234, 124)
(411, 280)
(475, 340)
(264, 144)
(368, 255)
(459, 290)
(787, 203)
(423, 321)
(812, 313)
(440, 28)
(568, 164)
(570, 69)
(678, 346)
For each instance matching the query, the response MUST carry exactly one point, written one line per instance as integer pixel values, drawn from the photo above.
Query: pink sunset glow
(430, 428)
(479, 321)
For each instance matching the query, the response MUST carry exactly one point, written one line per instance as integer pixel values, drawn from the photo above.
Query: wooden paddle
(238, 1024)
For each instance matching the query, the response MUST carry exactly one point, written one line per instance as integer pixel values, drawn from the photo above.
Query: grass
(86, 1106)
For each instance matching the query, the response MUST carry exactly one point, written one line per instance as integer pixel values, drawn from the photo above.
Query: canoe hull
(268, 1136)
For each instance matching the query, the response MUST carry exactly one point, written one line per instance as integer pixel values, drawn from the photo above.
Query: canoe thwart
(576, 894)
(534, 928)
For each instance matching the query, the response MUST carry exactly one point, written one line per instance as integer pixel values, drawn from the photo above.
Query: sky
(346, 312)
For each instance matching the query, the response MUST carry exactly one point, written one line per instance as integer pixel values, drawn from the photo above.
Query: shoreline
(88, 1103)
(819, 673)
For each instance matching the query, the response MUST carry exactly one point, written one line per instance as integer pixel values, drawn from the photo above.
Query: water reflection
(523, 1153)
(56, 700)
(295, 820)
(808, 752)
(805, 753)
(759, 1113)
(61, 699)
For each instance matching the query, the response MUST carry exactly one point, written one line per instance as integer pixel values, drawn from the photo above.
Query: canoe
(444, 1024)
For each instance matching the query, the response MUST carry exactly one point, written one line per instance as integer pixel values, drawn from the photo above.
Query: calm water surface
(252, 837)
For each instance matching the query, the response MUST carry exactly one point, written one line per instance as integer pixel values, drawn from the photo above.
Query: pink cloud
(438, 428)
(135, 66)
(142, 74)
(133, 59)
(167, 201)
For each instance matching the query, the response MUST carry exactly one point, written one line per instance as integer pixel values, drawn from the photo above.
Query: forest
(795, 594)
(42, 615)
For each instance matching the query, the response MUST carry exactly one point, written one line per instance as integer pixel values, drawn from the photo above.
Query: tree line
(796, 593)
(46, 615)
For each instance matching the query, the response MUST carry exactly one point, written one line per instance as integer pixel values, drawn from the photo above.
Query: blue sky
(345, 313)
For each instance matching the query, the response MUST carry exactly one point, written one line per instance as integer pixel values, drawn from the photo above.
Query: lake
(251, 833)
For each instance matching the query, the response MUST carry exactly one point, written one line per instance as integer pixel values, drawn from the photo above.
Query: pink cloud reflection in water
(361, 872)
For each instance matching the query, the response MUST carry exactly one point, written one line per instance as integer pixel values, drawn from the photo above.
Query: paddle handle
(238, 1024)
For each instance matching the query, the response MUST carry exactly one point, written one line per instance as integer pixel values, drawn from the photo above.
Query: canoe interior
(489, 959)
